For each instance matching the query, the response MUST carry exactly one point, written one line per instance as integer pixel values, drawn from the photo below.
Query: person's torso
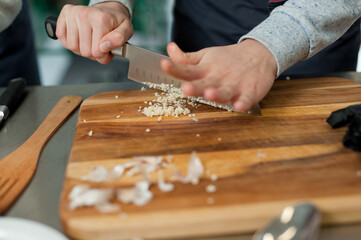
(205, 23)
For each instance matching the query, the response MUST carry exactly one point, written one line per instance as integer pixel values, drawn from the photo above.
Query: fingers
(116, 38)
(96, 48)
(61, 29)
(210, 90)
(180, 57)
(182, 71)
(244, 96)
(85, 38)
(199, 87)
(93, 32)
(244, 102)
(222, 94)
(242, 73)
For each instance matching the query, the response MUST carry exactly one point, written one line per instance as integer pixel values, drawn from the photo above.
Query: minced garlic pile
(171, 102)
(175, 93)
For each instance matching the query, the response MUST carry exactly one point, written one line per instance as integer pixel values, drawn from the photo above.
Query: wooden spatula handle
(61, 111)
(18, 167)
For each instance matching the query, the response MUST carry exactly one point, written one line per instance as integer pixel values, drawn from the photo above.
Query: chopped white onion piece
(194, 172)
(77, 191)
(89, 197)
(143, 194)
(167, 165)
(163, 186)
(107, 207)
(98, 174)
(169, 158)
(211, 188)
(117, 171)
(261, 155)
(195, 169)
(210, 200)
(214, 177)
(139, 195)
(126, 195)
(150, 160)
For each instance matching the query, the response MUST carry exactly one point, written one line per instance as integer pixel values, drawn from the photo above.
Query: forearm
(9, 9)
(299, 29)
(127, 3)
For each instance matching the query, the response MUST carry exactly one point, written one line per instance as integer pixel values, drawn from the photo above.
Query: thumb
(115, 38)
(180, 57)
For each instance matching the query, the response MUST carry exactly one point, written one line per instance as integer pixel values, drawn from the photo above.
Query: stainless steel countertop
(39, 202)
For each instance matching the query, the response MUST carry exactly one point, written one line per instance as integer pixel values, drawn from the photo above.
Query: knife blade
(11, 96)
(144, 67)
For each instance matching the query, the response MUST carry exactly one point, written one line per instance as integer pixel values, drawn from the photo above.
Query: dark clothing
(205, 23)
(17, 50)
(272, 4)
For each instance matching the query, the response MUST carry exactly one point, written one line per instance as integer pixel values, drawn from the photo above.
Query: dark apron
(17, 50)
(205, 23)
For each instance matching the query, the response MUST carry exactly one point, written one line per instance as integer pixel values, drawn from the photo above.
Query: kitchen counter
(39, 201)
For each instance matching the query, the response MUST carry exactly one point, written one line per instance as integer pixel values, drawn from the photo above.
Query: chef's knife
(11, 96)
(144, 67)
(298, 222)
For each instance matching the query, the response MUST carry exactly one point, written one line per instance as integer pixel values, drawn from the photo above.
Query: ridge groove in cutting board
(263, 163)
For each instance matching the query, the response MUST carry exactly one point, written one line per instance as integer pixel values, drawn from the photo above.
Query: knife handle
(13, 93)
(50, 27)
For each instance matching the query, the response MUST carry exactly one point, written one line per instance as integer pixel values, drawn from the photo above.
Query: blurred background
(152, 23)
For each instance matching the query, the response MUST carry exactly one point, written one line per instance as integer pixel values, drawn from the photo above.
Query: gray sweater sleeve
(301, 28)
(9, 9)
(127, 3)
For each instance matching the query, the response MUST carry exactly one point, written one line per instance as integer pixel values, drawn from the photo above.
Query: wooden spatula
(17, 168)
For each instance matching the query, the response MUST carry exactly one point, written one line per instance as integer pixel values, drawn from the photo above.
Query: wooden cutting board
(263, 163)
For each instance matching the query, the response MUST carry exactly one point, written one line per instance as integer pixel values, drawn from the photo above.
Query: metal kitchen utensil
(17, 168)
(298, 222)
(144, 67)
(11, 97)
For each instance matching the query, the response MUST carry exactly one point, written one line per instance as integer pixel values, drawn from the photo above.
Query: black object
(272, 4)
(13, 93)
(352, 138)
(11, 96)
(342, 117)
(17, 50)
(50, 27)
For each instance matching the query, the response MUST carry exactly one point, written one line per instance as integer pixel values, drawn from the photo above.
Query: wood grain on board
(263, 163)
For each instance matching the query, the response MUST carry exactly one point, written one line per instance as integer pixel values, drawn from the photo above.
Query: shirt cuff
(284, 38)
(127, 3)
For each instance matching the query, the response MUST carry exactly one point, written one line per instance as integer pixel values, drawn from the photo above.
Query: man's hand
(242, 73)
(93, 32)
